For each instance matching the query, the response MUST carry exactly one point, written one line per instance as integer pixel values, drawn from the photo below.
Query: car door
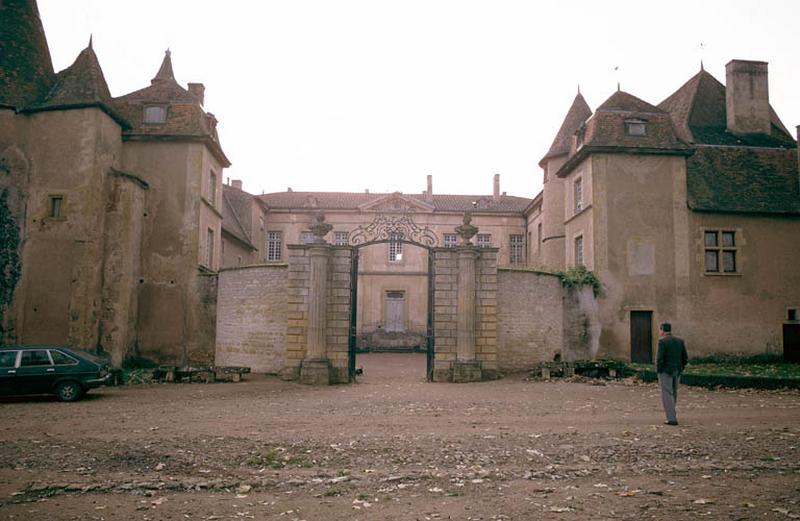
(36, 373)
(8, 371)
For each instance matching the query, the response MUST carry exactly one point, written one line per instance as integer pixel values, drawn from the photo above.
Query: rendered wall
(252, 318)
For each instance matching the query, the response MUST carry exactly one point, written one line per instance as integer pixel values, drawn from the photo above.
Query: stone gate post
(315, 369)
(466, 367)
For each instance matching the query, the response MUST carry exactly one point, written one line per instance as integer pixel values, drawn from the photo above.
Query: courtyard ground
(394, 447)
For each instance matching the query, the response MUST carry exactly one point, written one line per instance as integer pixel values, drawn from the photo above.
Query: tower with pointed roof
(116, 200)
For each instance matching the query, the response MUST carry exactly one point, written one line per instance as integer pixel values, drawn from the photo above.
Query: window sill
(721, 274)
(575, 216)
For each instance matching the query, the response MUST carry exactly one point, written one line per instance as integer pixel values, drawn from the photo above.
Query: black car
(67, 373)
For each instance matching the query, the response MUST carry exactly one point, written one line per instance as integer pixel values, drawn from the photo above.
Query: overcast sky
(346, 95)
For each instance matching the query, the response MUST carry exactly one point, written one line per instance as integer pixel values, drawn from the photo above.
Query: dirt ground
(394, 447)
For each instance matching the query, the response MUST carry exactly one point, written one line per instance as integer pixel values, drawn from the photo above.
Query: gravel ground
(394, 447)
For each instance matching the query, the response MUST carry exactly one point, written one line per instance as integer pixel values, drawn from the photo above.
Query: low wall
(252, 318)
(537, 319)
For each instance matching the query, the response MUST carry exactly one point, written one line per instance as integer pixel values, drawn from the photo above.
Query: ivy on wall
(580, 276)
(10, 268)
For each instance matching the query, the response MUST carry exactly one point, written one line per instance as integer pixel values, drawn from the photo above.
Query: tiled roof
(185, 116)
(743, 179)
(698, 110)
(26, 70)
(82, 84)
(621, 101)
(607, 127)
(353, 200)
(231, 223)
(577, 115)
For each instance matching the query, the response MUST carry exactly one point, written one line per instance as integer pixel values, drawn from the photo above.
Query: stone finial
(320, 228)
(466, 231)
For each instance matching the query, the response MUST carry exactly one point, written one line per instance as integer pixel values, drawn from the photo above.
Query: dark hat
(666, 327)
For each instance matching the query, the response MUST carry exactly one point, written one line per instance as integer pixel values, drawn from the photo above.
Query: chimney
(429, 192)
(747, 97)
(496, 193)
(237, 183)
(198, 90)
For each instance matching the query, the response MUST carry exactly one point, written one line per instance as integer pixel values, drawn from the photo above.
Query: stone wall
(252, 317)
(338, 312)
(486, 309)
(538, 319)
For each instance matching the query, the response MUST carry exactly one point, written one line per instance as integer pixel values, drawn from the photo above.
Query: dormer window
(155, 114)
(579, 137)
(636, 127)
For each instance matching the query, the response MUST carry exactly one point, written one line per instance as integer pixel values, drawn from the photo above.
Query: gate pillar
(315, 369)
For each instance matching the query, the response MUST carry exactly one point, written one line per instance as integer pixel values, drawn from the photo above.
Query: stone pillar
(315, 368)
(466, 367)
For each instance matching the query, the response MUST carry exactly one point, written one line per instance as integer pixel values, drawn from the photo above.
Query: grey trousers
(669, 393)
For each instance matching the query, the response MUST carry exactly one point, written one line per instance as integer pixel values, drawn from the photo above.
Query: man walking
(670, 362)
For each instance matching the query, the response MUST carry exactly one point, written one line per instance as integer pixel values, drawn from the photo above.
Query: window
(579, 250)
(720, 251)
(56, 206)
(212, 187)
(539, 235)
(155, 114)
(636, 127)
(306, 237)
(450, 240)
(395, 248)
(791, 314)
(484, 240)
(35, 357)
(274, 246)
(210, 248)
(517, 253)
(8, 358)
(577, 191)
(341, 238)
(60, 358)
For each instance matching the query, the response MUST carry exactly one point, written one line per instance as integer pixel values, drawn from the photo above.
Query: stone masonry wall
(445, 298)
(296, 310)
(338, 312)
(530, 320)
(445, 311)
(486, 308)
(252, 318)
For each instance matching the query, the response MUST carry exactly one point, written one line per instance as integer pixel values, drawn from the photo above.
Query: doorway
(395, 312)
(791, 343)
(642, 337)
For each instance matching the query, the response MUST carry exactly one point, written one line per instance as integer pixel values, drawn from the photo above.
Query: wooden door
(642, 337)
(791, 343)
(394, 319)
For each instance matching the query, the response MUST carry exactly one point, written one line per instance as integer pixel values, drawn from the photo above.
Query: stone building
(688, 211)
(114, 204)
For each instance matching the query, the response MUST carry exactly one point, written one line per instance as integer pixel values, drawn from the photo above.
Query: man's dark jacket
(671, 357)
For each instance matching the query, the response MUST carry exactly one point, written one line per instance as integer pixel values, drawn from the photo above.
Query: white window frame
(483, 240)
(154, 114)
(395, 248)
(516, 253)
(341, 238)
(274, 245)
(577, 195)
(578, 251)
(450, 240)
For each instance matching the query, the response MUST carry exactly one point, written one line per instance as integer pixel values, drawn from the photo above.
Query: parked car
(65, 372)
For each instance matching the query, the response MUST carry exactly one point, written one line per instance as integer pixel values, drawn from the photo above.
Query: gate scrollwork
(385, 228)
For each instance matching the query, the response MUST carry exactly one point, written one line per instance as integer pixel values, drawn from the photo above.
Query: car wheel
(68, 391)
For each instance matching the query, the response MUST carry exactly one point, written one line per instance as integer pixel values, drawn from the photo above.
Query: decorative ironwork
(385, 228)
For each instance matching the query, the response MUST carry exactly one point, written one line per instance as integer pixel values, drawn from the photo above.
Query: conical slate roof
(26, 70)
(82, 82)
(577, 115)
(165, 71)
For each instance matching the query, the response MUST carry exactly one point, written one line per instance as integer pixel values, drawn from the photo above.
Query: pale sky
(347, 95)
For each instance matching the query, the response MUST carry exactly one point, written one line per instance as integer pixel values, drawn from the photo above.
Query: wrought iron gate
(387, 229)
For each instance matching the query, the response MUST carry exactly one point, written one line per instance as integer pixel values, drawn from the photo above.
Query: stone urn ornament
(466, 231)
(320, 228)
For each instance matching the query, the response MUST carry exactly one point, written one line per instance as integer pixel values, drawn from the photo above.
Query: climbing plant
(10, 268)
(579, 276)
